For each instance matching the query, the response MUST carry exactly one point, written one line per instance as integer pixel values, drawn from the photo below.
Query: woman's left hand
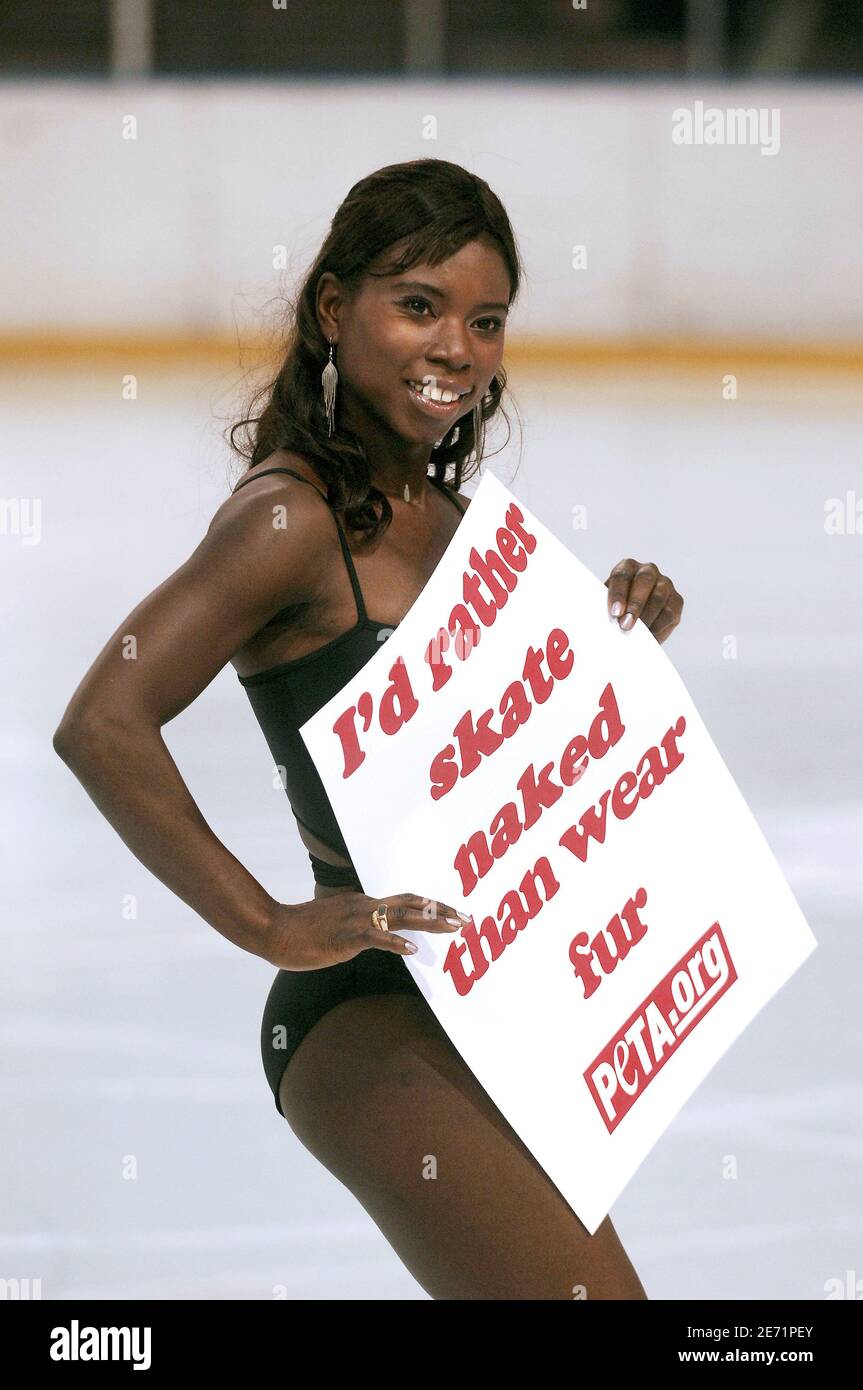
(642, 591)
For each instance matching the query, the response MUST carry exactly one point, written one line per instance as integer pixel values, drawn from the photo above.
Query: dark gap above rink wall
(486, 38)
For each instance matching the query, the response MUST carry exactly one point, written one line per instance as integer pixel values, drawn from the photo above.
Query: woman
(395, 363)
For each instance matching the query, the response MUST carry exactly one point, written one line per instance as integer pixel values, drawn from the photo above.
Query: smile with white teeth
(435, 396)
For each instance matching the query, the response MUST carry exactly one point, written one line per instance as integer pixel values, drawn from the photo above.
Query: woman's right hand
(327, 931)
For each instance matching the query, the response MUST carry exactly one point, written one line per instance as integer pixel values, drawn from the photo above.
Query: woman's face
(441, 327)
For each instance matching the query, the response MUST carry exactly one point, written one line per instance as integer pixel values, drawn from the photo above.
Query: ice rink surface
(143, 1156)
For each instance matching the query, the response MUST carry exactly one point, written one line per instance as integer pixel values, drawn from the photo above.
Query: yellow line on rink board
(525, 351)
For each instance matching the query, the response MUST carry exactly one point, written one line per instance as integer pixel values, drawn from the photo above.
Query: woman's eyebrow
(441, 294)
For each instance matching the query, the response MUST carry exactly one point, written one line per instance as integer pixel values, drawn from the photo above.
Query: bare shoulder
(258, 490)
(277, 527)
(279, 471)
(256, 559)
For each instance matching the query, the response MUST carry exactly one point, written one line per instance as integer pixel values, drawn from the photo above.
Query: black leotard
(284, 696)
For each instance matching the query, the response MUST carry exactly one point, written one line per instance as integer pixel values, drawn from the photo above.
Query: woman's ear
(328, 300)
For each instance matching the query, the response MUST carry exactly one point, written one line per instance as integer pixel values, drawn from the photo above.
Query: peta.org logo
(633, 1057)
(76, 1343)
(736, 125)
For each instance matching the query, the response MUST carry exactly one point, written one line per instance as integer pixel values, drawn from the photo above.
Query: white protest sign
(512, 752)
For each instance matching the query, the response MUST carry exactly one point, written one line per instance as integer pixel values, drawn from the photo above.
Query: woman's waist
(334, 876)
(330, 868)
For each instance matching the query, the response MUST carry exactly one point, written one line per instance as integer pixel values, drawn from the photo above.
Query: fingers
(663, 632)
(657, 601)
(373, 938)
(618, 587)
(663, 622)
(641, 587)
(642, 591)
(415, 913)
(411, 912)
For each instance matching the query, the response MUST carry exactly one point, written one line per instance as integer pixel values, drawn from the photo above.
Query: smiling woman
(408, 299)
(386, 388)
(381, 334)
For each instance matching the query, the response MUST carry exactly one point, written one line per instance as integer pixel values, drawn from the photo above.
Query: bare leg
(380, 1096)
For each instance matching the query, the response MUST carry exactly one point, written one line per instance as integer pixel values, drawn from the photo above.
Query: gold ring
(379, 917)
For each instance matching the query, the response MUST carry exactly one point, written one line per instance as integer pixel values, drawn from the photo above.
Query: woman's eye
(417, 303)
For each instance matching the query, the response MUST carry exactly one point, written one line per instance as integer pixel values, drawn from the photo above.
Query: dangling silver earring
(329, 381)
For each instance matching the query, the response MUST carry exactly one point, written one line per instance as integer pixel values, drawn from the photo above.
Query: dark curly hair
(434, 208)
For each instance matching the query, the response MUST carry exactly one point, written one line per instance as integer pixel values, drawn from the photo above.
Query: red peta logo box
(625, 1067)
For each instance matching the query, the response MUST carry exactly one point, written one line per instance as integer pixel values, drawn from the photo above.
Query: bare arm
(169, 648)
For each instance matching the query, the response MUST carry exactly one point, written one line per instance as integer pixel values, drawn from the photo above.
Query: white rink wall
(173, 231)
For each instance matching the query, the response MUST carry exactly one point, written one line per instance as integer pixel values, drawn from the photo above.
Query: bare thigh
(380, 1096)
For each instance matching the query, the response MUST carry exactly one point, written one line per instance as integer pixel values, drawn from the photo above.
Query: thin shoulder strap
(446, 492)
(352, 574)
(262, 473)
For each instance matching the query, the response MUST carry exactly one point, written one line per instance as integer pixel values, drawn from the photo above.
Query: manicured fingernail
(409, 946)
(627, 622)
(616, 608)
